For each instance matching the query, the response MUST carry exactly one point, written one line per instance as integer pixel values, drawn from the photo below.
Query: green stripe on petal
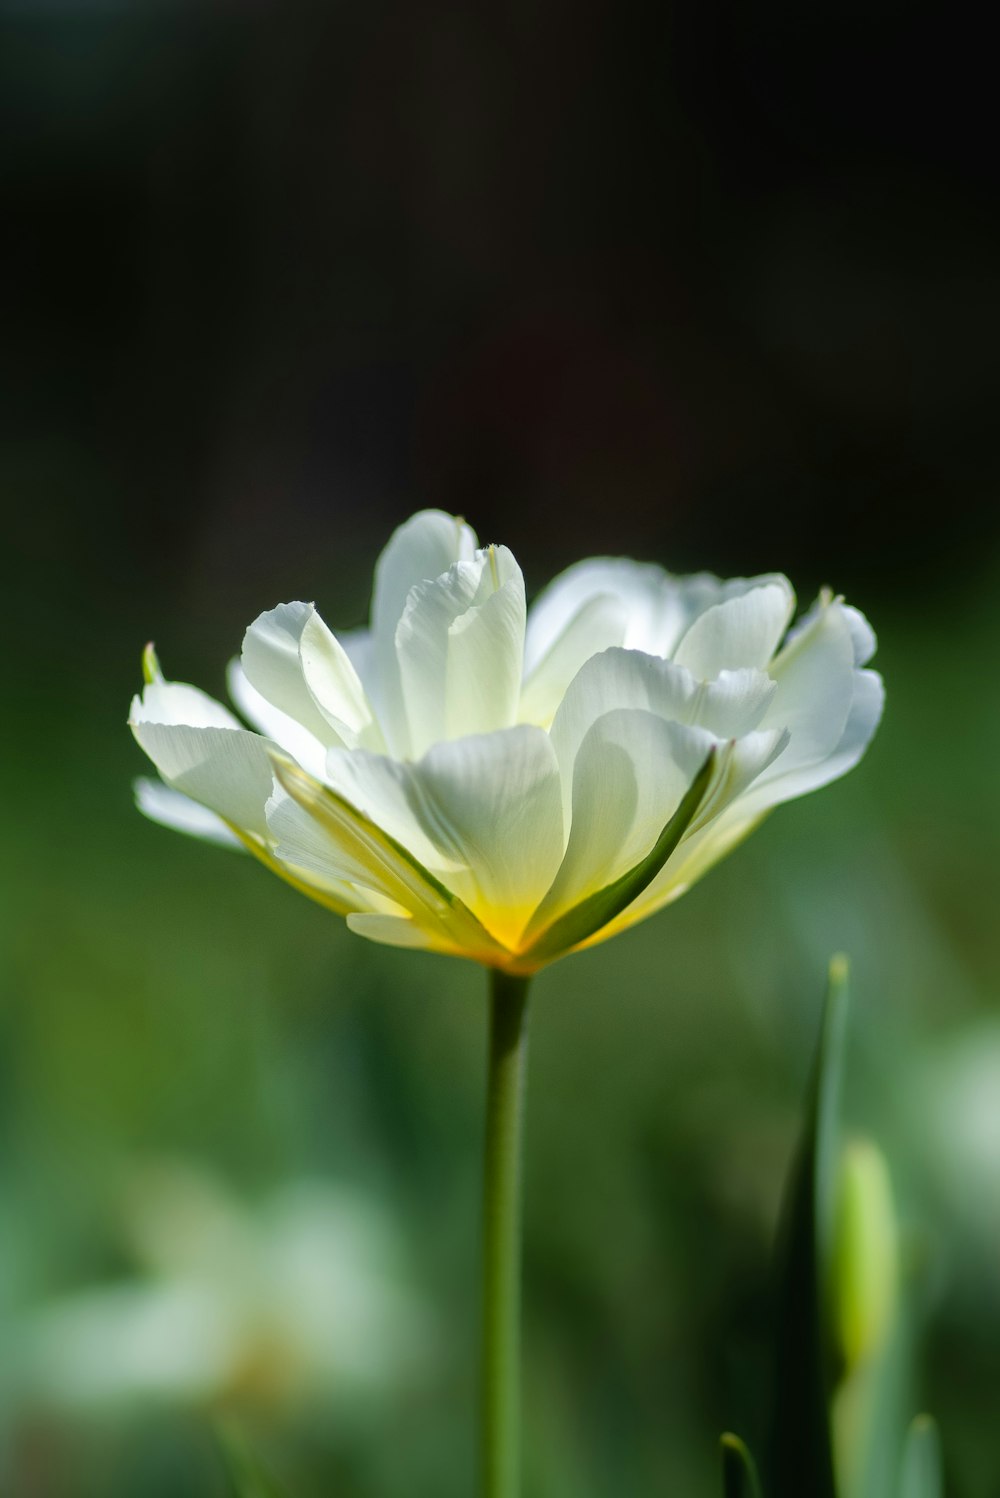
(595, 912)
(388, 866)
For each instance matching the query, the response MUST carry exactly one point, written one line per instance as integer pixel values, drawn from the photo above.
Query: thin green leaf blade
(922, 1475)
(247, 1476)
(598, 909)
(801, 1448)
(739, 1470)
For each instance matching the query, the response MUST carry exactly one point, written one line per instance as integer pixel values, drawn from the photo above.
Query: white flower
(302, 1299)
(471, 777)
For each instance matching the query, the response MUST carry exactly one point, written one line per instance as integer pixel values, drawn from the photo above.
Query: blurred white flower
(471, 777)
(300, 1301)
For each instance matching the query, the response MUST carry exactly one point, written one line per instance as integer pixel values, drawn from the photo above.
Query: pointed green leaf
(921, 1475)
(739, 1470)
(801, 1449)
(597, 910)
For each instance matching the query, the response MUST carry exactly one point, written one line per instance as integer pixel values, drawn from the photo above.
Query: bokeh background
(711, 284)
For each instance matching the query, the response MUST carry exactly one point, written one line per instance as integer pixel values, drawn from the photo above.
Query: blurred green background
(696, 283)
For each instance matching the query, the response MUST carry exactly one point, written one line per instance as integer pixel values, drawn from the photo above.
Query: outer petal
(742, 630)
(862, 721)
(161, 804)
(297, 664)
(460, 648)
(320, 861)
(629, 776)
(177, 702)
(720, 824)
(728, 707)
(420, 550)
(817, 684)
(214, 761)
(304, 849)
(367, 856)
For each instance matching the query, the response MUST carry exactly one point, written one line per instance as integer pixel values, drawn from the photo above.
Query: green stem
(502, 1237)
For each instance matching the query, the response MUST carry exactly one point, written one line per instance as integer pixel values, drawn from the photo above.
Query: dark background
(710, 284)
(706, 282)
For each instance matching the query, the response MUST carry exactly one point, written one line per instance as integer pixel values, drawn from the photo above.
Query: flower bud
(865, 1257)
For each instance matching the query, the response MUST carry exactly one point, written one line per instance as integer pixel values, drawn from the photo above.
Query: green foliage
(921, 1475)
(801, 1449)
(739, 1470)
(247, 1476)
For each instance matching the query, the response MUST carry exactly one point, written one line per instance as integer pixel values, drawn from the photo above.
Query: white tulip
(472, 777)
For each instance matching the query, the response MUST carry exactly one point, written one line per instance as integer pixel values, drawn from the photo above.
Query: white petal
(743, 630)
(815, 679)
(862, 635)
(491, 804)
(359, 647)
(629, 777)
(399, 931)
(382, 790)
(269, 720)
(718, 826)
(225, 769)
(365, 855)
(304, 847)
(656, 606)
(297, 664)
(176, 702)
(789, 780)
(728, 707)
(419, 551)
(596, 625)
(170, 809)
(460, 647)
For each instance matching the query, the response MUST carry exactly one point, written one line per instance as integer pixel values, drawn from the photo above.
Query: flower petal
(302, 847)
(269, 720)
(460, 650)
(298, 665)
(720, 822)
(177, 702)
(422, 549)
(597, 624)
(225, 769)
(727, 707)
(789, 780)
(367, 855)
(586, 920)
(629, 776)
(400, 931)
(742, 630)
(815, 688)
(171, 809)
(656, 607)
(491, 804)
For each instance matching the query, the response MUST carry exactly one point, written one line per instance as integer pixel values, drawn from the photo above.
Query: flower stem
(501, 1396)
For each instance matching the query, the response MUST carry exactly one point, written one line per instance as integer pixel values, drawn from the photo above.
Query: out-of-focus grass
(167, 999)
